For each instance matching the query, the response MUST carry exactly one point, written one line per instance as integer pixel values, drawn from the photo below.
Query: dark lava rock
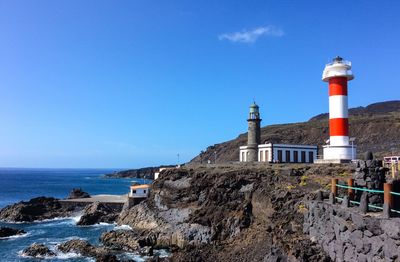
(38, 250)
(77, 193)
(229, 213)
(96, 213)
(127, 240)
(8, 232)
(86, 249)
(39, 208)
(76, 245)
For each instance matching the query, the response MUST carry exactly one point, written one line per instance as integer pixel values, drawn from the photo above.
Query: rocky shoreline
(203, 213)
(36, 209)
(42, 209)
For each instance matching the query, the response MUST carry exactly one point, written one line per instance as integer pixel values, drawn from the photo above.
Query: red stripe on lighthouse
(339, 127)
(338, 86)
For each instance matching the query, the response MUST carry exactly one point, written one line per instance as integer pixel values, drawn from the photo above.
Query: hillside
(376, 128)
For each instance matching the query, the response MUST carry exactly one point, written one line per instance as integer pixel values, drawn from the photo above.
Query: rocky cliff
(232, 212)
(376, 128)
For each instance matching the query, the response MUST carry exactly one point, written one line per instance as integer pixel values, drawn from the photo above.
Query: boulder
(38, 250)
(78, 193)
(8, 232)
(127, 240)
(86, 249)
(96, 213)
(39, 208)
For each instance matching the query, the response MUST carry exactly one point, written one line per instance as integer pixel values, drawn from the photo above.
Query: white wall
(140, 192)
(243, 155)
(267, 156)
(292, 150)
(264, 155)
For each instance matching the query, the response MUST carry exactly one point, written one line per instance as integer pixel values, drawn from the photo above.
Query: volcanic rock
(86, 249)
(231, 212)
(39, 208)
(78, 193)
(38, 250)
(96, 213)
(127, 240)
(8, 232)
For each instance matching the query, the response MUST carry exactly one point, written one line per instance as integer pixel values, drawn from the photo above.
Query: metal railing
(345, 62)
(387, 193)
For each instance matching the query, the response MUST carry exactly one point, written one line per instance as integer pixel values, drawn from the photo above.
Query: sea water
(24, 184)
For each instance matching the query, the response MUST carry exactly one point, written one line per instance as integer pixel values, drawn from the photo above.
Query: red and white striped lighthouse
(337, 74)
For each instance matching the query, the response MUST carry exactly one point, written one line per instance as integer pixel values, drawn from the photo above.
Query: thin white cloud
(250, 36)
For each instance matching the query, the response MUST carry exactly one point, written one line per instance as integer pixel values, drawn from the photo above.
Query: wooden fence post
(387, 196)
(334, 188)
(350, 191)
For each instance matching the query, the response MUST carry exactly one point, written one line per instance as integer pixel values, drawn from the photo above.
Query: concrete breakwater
(115, 202)
(347, 235)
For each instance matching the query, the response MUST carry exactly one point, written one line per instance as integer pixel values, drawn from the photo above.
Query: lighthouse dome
(254, 111)
(254, 108)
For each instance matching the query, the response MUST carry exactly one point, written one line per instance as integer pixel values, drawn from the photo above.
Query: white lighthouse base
(338, 154)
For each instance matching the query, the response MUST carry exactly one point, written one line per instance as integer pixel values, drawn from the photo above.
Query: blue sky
(133, 83)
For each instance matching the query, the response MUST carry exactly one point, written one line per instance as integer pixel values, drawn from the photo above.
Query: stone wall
(347, 235)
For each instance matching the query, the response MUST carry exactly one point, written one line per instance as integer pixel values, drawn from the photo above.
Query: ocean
(23, 184)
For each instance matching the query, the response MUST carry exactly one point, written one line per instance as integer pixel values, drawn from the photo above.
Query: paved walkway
(99, 198)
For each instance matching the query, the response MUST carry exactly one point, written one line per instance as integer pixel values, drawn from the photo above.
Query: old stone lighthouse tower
(254, 133)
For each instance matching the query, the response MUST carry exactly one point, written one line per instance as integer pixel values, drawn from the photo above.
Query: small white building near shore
(139, 191)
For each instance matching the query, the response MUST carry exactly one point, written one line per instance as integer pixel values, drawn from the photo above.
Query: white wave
(106, 224)
(123, 227)
(135, 257)
(101, 224)
(35, 221)
(58, 241)
(68, 255)
(138, 258)
(60, 221)
(76, 218)
(47, 220)
(50, 220)
(162, 252)
(58, 255)
(13, 222)
(15, 236)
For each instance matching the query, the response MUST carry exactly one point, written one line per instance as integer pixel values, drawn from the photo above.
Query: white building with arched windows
(282, 153)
